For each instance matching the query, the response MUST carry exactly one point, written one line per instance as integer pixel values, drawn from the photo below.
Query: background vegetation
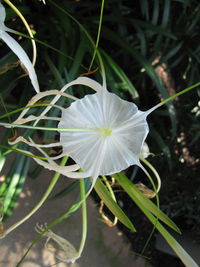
(151, 50)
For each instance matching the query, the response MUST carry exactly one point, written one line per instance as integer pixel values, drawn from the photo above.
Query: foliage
(150, 50)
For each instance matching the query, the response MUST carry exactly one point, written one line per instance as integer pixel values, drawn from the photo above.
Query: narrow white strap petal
(21, 54)
(54, 100)
(22, 139)
(2, 13)
(78, 175)
(68, 171)
(51, 165)
(54, 167)
(81, 80)
(104, 80)
(53, 92)
(58, 157)
(84, 81)
(39, 96)
(50, 161)
(34, 118)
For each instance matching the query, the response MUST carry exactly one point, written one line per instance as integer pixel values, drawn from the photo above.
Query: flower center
(105, 132)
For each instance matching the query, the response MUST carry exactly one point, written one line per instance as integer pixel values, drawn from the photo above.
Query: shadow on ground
(104, 247)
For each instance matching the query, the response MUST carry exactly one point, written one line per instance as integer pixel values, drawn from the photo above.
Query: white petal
(145, 151)
(22, 139)
(2, 13)
(21, 54)
(66, 170)
(81, 80)
(84, 81)
(96, 153)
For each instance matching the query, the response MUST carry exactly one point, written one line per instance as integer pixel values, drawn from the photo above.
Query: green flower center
(105, 132)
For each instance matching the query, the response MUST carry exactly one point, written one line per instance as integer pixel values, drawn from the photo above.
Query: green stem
(172, 97)
(157, 198)
(112, 195)
(20, 109)
(154, 172)
(71, 210)
(86, 33)
(39, 204)
(179, 93)
(109, 187)
(27, 27)
(45, 128)
(98, 35)
(51, 47)
(13, 149)
(84, 216)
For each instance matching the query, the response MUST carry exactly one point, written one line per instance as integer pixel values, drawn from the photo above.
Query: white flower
(108, 134)
(118, 131)
(17, 49)
(60, 245)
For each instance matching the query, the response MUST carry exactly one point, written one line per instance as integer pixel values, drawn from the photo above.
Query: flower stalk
(84, 216)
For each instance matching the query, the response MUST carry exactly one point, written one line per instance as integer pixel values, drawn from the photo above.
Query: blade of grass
(179, 250)
(120, 73)
(104, 194)
(132, 190)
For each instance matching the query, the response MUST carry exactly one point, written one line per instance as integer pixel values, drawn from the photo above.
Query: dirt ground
(104, 246)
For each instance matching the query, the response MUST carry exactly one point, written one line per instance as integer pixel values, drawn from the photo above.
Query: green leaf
(172, 52)
(120, 73)
(162, 145)
(155, 11)
(112, 205)
(16, 181)
(166, 13)
(137, 195)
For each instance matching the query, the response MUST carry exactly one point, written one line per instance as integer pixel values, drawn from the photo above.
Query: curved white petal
(21, 54)
(117, 130)
(17, 49)
(84, 81)
(22, 139)
(2, 13)
(81, 80)
(36, 98)
(69, 171)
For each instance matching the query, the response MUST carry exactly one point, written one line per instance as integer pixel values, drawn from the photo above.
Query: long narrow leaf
(179, 250)
(112, 205)
(120, 73)
(133, 191)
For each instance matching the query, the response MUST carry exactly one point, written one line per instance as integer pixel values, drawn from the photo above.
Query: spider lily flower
(101, 132)
(63, 245)
(17, 49)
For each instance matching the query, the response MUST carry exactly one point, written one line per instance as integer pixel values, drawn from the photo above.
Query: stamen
(105, 132)
(90, 72)
(13, 137)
